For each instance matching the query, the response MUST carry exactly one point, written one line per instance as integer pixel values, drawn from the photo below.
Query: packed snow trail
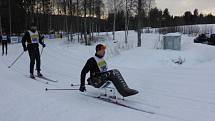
(174, 92)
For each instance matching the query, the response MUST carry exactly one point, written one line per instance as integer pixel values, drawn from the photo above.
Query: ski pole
(16, 60)
(73, 85)
(42, 47)
(60, 89)
(41, 51)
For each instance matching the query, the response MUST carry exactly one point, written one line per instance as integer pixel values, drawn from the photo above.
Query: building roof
(173, 34)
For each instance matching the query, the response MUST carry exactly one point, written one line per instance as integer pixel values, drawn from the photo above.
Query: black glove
(82, 88)
(44, 45)
(42, 37)
(25, 48)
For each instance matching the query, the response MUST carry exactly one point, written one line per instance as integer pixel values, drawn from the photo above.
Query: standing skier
(4, 39)
(33, 38)
(99, 74)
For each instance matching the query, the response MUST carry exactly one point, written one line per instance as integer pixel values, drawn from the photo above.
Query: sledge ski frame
(106, 87)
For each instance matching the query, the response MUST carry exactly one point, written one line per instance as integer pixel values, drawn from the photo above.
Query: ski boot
(32, 76)
(39, 74)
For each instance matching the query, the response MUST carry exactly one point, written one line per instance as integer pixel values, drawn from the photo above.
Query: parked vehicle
(202, 38)
(211, 40)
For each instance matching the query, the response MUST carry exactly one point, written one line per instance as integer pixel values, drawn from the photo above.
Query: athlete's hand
(82, 88)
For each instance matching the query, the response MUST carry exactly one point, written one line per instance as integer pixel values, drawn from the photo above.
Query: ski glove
(82, 88)
(44, 45)
(25, 49)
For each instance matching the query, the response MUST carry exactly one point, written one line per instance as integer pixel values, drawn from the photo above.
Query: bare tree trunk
(85, 22)
(90, 22)
(10, 17)
(93, 20)
(37, 13)
(130, 7)
(0, 25)
(126, 22)
(71, 9)
(139, 23)
(114, 21)
(99, 4)
(66, 19)
(50, 23)
(26, 15)
(77, 20)
(81, 27)
(67, 29)
(149, 15)
(50, 16)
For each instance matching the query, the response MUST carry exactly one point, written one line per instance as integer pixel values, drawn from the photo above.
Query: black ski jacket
(1, 38)
(27, 38)
(91, 66)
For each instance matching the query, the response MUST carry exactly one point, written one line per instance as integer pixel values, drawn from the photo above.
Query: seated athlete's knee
(115, 71)
(95, 82)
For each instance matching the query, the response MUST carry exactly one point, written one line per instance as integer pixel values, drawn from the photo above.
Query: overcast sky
(178, 7)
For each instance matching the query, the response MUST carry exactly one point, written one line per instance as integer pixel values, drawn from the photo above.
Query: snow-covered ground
(173, 92)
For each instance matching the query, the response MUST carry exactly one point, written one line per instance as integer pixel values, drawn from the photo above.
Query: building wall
(172, 42)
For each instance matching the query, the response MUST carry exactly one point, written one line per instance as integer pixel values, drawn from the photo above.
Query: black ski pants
(34, 55)
(4, 45)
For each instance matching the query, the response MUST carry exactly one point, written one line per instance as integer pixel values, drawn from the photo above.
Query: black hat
(100, 46)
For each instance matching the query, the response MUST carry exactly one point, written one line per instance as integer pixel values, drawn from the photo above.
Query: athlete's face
(33, 28)
(101, 52)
